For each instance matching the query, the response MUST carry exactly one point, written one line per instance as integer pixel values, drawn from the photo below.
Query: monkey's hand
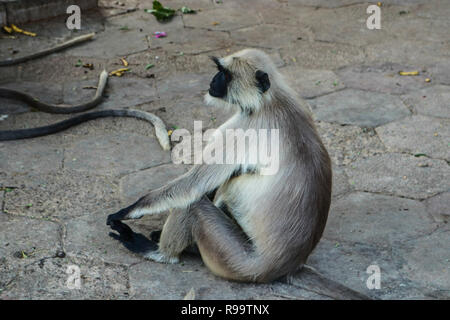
(122, 214)
(135, 242)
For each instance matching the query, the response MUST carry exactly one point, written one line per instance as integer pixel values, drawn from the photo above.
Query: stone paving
(388, 136)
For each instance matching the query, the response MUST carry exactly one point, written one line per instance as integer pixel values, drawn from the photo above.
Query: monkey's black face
(219, 85)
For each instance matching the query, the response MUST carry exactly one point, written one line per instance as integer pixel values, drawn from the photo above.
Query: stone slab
(346, 144)
(22, 242)
(115, 154)
(438, 207)
(88, 236)
(377, 219)
(433, 101)
(120, 92)
(136, 185)
(181, 86)
(123, 35)
(23, 11)
(414, 52)
(349, 267)
(42, 155)
(312, 83)
(400, 174)
(383, 77)
(36, 238)
(340, 182)
(427, 261)
(44, 91)
(3, 20)
(180, 113)
(223, 19)
(50, 279)
(267, 36)
(321, 55)
(418, 135)
(190, 41)
(357, 107)
(150, 280)
(44, 196)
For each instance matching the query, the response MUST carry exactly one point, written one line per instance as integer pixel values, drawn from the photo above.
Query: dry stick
(71, 42)
(53, 108)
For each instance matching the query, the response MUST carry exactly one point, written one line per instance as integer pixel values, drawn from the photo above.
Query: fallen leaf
(409, 73)
(18, 30)
(150, 65)
(7, 29)
(160, 12)
(89, 66)
(190, 295)
(118, 72)
(124, 62)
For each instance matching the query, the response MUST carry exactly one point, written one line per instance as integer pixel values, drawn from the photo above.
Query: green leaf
(124, 28)
(160, 12)
(420, 155)
(150, 65)
(79, 63)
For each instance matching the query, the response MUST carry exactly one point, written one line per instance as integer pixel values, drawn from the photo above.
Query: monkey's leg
(175, 237)
(163, 246)
(224, 247)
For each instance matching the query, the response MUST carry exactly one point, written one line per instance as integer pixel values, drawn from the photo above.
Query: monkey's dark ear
(263, 80)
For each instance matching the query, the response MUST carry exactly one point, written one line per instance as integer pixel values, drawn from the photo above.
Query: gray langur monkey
(247, 226)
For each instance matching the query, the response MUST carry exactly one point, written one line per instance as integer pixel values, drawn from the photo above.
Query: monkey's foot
(155, 235)
(160, 257)
(131, 240)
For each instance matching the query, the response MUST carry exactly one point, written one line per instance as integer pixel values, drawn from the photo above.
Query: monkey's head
(243, 80)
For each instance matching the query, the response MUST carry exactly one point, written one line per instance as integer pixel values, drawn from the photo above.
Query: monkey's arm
(179, 193)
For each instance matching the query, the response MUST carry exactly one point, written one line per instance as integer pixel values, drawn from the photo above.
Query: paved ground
(388, 136)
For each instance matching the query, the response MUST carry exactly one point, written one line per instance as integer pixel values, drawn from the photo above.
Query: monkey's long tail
(160, 128)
